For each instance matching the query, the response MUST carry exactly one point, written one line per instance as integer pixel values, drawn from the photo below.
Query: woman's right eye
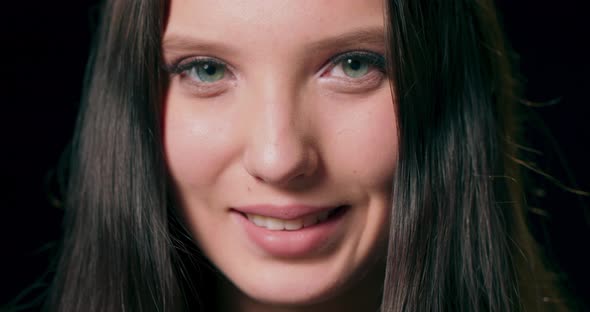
(205, 71)
(202, 76)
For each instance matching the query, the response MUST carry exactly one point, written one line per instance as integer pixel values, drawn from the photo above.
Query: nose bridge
(279, 110)
(278, 150)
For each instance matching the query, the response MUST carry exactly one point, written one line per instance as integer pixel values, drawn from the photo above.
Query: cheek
(364, 141)
(198, 143)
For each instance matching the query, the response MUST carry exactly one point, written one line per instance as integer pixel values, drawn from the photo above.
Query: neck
(364, 295)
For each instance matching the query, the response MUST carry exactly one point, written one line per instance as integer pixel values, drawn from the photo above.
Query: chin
(292, 293)
(306, 283)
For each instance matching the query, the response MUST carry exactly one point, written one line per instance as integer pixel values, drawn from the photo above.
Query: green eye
(355, 67)
(207, 71)
(357, 64)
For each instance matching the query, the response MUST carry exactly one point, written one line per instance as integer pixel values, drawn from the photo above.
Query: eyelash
(183, 66)
(180, 66)
(374, 59)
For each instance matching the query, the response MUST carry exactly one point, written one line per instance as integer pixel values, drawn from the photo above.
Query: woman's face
(280, 137)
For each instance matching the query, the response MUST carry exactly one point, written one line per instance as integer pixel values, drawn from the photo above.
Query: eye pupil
(355, 67)
(209, 72)
(209, 69)
(354, 64)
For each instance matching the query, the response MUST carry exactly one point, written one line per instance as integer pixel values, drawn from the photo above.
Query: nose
(280, 150)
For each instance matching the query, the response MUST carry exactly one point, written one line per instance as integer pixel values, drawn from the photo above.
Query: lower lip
(304, 242)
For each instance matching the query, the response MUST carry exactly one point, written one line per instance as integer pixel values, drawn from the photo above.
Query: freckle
(249, 189)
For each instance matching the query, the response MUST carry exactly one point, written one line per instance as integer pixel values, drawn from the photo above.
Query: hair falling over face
(457, 238)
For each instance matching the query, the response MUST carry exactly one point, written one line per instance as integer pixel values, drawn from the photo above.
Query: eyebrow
(180, 43)
(364, 36)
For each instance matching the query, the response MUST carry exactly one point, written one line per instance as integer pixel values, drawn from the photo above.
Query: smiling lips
(290, 218)
(289, 225)
(290, 231)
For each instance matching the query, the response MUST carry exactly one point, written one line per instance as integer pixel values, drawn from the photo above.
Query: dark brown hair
(458, 240)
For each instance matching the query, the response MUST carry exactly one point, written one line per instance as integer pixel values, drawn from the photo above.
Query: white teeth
(258, 220)
(274, 224)
(293, 224)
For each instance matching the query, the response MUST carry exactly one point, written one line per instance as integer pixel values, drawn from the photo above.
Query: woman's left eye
(356, 65)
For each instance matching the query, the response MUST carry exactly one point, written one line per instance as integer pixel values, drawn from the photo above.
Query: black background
(45, 46)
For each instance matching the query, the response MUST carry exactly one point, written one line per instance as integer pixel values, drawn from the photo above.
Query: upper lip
(285, 212)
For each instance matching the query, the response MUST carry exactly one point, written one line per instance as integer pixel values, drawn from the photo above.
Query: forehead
(264, 22)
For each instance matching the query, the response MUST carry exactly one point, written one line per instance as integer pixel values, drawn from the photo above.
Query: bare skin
(283, 103)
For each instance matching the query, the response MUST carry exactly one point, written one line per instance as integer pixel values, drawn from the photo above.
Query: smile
(292, 231)
(275, 224)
